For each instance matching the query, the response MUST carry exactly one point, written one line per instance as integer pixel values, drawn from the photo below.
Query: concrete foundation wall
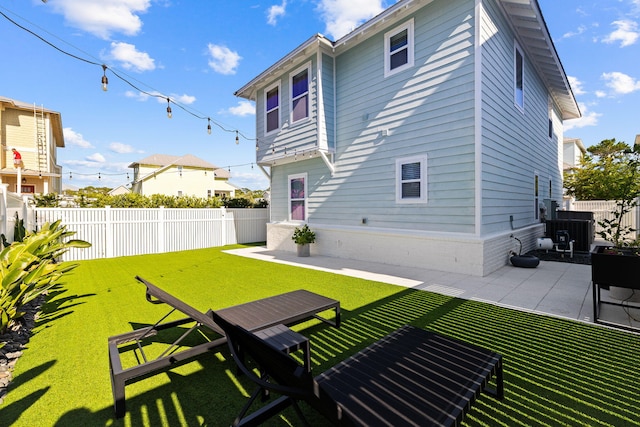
(445, 252)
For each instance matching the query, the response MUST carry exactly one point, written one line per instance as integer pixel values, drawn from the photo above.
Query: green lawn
(557, 372)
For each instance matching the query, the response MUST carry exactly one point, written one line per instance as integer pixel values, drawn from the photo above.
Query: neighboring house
(180, 176)
(35, 133)
(573, 152)
(119, 190)
(428, 136)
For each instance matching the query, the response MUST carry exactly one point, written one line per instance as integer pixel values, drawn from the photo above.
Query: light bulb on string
(169, 114)
(257, 146)
(70, 176)
(209, 125)
(127, 176)
(99, 177)
(237, 139)
(105, 80)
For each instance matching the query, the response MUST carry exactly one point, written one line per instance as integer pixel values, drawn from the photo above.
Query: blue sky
(199, 52)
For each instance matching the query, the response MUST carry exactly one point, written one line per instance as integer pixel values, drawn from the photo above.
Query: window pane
(411, 190)
(399, 59)
(297, 210)
(300, 108)
(272, 99)
(297, 188)
(300, 84)
(399, 40)
(411, 171)
(272, 120)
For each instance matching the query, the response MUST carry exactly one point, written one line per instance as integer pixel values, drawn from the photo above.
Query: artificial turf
(557, 372)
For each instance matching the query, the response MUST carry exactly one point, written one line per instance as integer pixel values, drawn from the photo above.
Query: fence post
(161, 229)
(108, 232)
(224, 225)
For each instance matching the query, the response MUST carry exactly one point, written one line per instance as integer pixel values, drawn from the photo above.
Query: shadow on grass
(11, 412)
(557, 372)
(58, 306)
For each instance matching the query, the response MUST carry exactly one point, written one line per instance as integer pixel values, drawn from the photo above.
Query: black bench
(411, 377)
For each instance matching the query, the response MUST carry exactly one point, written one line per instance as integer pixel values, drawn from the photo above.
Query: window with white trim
(272, 108)
(298, 197)
(300, 94)
(518, 78)
(398, 49)
(411, 179)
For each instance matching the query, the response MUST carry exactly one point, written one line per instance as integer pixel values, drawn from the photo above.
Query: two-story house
(32, 134)
(186, 175)
(428, 136)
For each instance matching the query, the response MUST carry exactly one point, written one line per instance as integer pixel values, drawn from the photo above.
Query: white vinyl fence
(115, 232)
(602, 210)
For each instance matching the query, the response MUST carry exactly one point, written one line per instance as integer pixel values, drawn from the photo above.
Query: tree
(610, 171)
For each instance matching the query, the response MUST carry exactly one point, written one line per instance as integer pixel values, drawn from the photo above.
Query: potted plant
(303, 236)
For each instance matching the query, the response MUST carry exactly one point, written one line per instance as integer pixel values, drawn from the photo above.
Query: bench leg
(498, 391)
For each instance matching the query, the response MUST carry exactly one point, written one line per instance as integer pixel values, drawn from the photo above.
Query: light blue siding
(515, 143)
(427, 109)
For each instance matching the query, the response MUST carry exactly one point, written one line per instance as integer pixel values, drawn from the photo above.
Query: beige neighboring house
(120, 189)
(36, 133)
(573, 152)
(186, 175)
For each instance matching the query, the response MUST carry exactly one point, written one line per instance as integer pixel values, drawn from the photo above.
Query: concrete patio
(558, 289)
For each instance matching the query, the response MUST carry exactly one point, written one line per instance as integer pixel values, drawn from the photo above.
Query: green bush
(29, 268)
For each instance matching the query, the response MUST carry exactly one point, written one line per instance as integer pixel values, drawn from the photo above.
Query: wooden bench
(411, 377)
(285, 309)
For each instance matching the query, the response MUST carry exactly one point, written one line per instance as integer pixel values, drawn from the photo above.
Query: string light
(209, 126)
(154, 93)
(105, 80)
(169, 113)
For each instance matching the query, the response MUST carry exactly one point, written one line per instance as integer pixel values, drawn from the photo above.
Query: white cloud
(121, 148)
(581, 29)
(601, 93)
(130, 58)
(620, 83)
(589, 118)
(275, 12)
(244, 108)
(72, 137)
(223, 60)
(343, 16)
(183, 99)
(103, 17)
(97, 158)
(139, 95)
(576, 85)
(626, 33)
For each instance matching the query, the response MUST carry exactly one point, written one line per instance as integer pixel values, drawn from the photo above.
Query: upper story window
(398, 49)
(272, 108)
(300, 95)
(411, 180)
(298, 197)
(518, 81)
